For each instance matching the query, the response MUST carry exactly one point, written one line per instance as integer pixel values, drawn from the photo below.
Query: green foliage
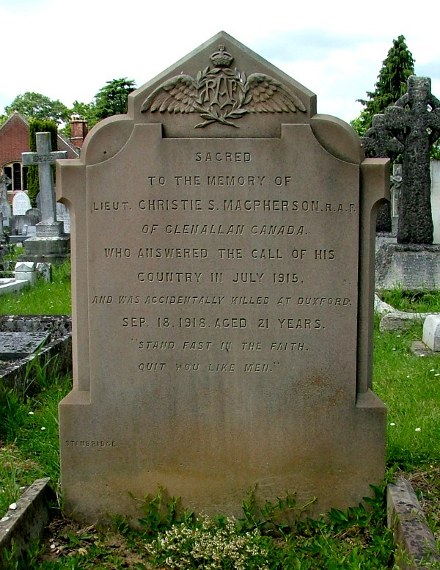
(86, 111)
(29, 432)
(272, 518)
(435, 151)
(38, 126)
(410, 387)
(161, 512)
(36, 106)
(112, 98)
(390, 86)
(209, 544)
(412, 301)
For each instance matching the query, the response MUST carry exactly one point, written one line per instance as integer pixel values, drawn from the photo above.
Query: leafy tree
(390, 86)
(38, 126)
(86, 111)
(36, 106)
(112, 98)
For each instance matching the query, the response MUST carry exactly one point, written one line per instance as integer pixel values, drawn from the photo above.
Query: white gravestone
(20, 204)
(63, 215)
(431, 332)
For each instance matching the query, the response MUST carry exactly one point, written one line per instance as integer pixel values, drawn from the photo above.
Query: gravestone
(15, 345)
(415, 120)
(431, 332)
(63, 216)
(379, 143)
(20, 203)
(396, 184)
(435, 199)
(223, 302)
(50, 242)
(5, 208)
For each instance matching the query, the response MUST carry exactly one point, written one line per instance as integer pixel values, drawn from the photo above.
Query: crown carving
(221, 58)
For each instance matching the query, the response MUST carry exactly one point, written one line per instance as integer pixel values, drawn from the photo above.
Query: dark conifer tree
(391, 84)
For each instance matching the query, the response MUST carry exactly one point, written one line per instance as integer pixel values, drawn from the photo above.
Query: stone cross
(5, 208)
(378, 142)
(44, 158)
(415, 121)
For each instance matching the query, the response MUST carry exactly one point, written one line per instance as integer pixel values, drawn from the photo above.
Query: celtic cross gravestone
(415, 120)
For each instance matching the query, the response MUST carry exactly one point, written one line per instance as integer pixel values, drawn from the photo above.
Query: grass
(410, 387)
(412, 301)
(43, 298)
(29, 436)
(274, 536)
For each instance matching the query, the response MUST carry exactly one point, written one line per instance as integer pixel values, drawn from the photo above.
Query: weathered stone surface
(50, 243)
(15, 345)
(24, 523)
(399, 320)
(408, 266)
(378, 142)
(5, 208)
(410, 529)
(415, 120)
(55, 356)
(26, 271)
(221, 339)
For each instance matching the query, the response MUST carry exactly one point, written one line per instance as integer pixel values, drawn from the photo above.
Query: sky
(69, 50)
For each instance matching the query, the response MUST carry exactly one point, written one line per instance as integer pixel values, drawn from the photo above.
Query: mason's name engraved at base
(90, 443)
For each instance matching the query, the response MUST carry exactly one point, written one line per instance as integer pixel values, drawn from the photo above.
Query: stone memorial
(222, 264)
(20, 203)
(431, 332)
(5, 208)
(63, 216)
(415, 120)
(50, 242)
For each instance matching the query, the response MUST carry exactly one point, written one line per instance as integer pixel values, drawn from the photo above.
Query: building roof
(14, 139)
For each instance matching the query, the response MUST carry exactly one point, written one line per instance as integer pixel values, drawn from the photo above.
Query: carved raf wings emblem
(222, 95)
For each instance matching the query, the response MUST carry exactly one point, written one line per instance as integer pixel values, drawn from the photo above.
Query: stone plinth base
(50, 229)
(46, 249)
(413, 267)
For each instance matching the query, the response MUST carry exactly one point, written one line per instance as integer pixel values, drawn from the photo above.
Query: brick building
(14, 139)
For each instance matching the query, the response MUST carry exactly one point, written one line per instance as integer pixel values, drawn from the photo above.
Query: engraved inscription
(227, 247)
